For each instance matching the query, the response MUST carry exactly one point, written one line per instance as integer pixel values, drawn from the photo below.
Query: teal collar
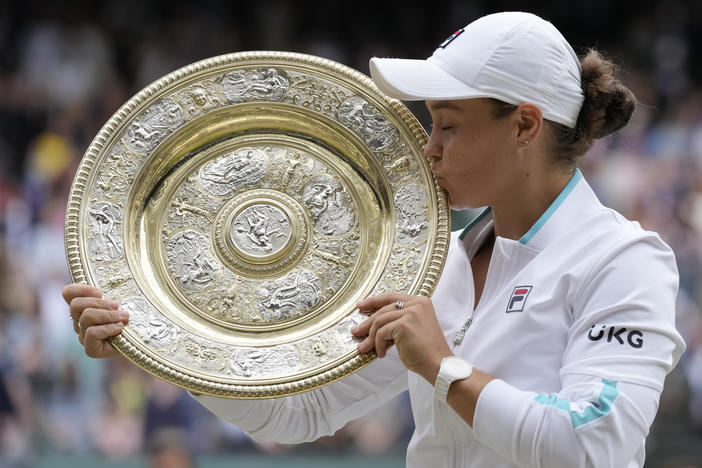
(544, 217)
(552, 209)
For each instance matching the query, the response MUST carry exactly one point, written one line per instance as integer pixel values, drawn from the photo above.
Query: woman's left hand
(413, 328)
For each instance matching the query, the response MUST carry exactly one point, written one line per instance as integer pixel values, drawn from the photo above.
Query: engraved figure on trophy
(329, 204)
(145, 134)
(190, 350)
(105, 245)
(359, 116)
(320, 348)
(269, 84)
(241, 168)
(186, 253)
(234, 302)
(247, 362)
(289, 169)
(148, 323)
(411, 203)
(316, 94)
(289, 296)
(261, 228)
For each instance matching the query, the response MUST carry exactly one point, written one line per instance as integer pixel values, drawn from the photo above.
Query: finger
(72, 291)
(378, 322)
(384, 338)
(363, 328)
(381, 300)
(79, 304)
(96, 344)
(92, 317)
(76, 327)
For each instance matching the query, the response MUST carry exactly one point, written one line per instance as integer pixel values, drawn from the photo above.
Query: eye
(446, 128)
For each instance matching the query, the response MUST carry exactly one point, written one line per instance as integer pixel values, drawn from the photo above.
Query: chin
(457, 203)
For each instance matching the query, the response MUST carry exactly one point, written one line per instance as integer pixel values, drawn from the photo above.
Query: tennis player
(551, 331)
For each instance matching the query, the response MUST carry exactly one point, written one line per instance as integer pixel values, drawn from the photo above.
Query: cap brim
(417, 80)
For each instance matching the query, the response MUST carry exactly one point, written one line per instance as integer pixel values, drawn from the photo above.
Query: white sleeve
(310, 415)
(620, 347)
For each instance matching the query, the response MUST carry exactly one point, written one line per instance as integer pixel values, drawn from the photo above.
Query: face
(471, 152)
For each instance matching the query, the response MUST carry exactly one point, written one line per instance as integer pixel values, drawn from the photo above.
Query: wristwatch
(452, 368)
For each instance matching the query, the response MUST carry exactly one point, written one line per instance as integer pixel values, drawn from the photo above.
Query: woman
(549, 335)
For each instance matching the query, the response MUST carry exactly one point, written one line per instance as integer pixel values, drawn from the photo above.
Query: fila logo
(451, 38)
(518, 299)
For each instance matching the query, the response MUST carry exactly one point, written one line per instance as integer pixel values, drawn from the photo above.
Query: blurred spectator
(168, 449)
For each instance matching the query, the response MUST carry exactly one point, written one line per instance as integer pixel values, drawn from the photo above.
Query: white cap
(514, 57)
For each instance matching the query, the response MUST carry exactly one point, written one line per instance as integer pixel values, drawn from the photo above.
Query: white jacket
(576, 321)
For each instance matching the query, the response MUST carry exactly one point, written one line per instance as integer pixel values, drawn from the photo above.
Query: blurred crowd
(64, 70)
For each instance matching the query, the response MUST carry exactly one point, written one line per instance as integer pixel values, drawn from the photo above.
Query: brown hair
(607, 107)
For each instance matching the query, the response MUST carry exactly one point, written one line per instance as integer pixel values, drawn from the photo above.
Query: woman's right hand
(95, 319)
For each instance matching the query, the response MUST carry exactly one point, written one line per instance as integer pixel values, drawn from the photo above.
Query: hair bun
(608, 104)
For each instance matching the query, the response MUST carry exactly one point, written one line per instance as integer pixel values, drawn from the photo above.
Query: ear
(530, 121)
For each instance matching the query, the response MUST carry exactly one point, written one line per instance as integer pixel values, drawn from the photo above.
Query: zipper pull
(458, 339)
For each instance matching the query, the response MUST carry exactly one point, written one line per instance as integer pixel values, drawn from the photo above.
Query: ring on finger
(400, 304)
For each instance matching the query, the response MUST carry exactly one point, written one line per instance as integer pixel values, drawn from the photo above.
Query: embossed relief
(329, 204)
(198, 98)
(116, 278)
(235, 303)
(319, 348)
(256, 362)
(412, 223)
(400, 165)
(316, 94)
(268, 84)
(104, 240)
(200, 354)
(359, 116)
(149, 324)
(289, 296)
(143, 135)
(289, 170)
(261, 229)
(116, 174)
(333, 260)
(187, 255)
(244, 167)
(400, 269)
(190, 208)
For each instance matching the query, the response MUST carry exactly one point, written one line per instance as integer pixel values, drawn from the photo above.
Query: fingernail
(113, 304)
(97, 293)
(123, 315)
(354, 329)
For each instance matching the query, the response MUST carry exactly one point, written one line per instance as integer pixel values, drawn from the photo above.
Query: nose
(432, 150)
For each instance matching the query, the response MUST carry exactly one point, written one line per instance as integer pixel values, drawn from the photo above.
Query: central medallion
(261, 232)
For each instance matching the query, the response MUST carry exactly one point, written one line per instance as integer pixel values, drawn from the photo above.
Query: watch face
(457, 367)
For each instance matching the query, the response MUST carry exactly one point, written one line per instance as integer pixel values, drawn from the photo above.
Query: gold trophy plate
(239, 208)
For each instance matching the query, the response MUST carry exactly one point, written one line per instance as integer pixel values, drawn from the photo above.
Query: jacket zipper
(458, 338)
